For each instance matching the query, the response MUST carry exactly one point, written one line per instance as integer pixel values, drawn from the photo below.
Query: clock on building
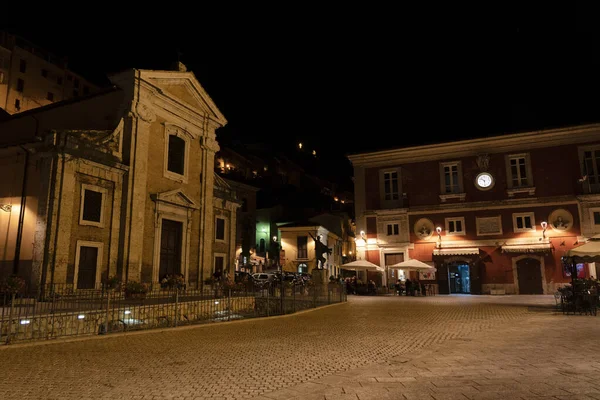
(484, 181)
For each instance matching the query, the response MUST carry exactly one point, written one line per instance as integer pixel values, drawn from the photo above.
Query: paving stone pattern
(443, 347)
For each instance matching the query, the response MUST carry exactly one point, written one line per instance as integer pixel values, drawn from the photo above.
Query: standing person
(409, 288)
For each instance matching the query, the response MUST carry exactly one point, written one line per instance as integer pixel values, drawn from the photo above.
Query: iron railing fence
(59, 310)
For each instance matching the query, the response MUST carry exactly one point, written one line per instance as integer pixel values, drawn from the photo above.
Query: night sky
(352, 80)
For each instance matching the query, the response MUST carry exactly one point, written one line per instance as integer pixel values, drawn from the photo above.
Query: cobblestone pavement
(442, 347)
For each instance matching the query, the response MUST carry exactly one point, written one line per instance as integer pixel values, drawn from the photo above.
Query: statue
(320, 249)
(560, 224)
(424, 231)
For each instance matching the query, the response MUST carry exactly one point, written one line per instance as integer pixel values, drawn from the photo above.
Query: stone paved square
(442, 347)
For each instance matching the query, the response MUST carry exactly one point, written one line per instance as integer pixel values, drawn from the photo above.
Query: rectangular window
(390, 185)
(523, 222)
(23, 66)
(451, 178)
(455, 226)
(59, 80)
(591, 170)
(393, 229)
(45, 73)
(596, 217)
(17, 104)
(20, 85)
(50, 96)
(220, 229)
(302, 244)
(519, 171)
(176, 156)
(91, 209)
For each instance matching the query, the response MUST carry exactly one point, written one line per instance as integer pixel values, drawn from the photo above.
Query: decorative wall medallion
(483, 162)
(560, 219)
(145, 113)
(424, 228)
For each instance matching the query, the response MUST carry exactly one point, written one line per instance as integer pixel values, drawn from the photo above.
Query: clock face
(484, 180)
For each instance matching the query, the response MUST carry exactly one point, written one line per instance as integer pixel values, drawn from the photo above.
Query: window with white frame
(524, 222)
(519, 170)
(393, 229)
(92, 205)
(220, 229)
(455, 226)
(176, 154)
(451, 177)
(590, 160)
(391, 189)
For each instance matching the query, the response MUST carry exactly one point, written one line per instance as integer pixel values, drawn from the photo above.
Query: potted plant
(136, 290)
(12, 284)
(175, 281)
(112, 282)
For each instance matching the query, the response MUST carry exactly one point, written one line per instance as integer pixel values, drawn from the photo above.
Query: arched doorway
(529, 275)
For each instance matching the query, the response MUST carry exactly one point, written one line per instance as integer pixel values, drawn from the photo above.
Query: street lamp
(544, 226)
(276, 253)
(439, 233)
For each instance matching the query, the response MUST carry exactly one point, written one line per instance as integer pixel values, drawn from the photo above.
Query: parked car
(262, 279)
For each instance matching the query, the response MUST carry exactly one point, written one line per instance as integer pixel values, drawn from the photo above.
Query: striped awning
(459, 251)
(527, 248)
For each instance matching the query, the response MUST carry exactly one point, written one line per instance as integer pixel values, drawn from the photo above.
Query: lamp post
(276, 254)
(544, 227)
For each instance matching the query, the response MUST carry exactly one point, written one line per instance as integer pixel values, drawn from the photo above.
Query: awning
(459, 251)
(361, 265)
(589, 252)
(527, 248)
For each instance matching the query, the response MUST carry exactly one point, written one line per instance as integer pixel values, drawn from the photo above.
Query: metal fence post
(107, 330)
(10, 315)
(268, 303)
(176, 317)
(282, 290)
(229, 305)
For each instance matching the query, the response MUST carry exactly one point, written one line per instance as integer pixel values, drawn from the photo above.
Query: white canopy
(361, 265)
(589, 252)
(413, 265)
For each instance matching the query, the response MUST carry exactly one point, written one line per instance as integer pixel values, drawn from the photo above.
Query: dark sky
(348, 80)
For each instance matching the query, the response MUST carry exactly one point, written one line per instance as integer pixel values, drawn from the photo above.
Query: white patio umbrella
(413, 265)
(589, 252)
(361, 265)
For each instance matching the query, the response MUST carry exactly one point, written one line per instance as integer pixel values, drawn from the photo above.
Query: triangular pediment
(184, 88)
(175, 197)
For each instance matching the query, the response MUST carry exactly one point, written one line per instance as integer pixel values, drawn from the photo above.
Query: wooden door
(529, 275)
(170, 248)
(442, 278)
(88, 263)
(475, 277)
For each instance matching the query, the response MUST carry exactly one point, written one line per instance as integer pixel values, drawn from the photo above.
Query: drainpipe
(23, 202)
(21, 211)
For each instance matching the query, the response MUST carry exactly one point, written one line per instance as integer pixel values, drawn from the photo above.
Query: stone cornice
(492, 205)
(473, 147)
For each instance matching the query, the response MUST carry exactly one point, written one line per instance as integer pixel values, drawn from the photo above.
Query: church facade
(118, 183)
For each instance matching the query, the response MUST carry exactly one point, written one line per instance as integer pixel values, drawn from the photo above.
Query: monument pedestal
(320, 279)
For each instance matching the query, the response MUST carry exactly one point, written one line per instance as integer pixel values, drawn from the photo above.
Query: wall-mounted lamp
(274, 238)
(6, 207)
(439, 232)
(544, 226)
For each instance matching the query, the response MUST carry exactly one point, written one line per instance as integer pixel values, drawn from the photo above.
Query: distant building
(119, 183)
(298, 247)
(493, 215)
(31, 77)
